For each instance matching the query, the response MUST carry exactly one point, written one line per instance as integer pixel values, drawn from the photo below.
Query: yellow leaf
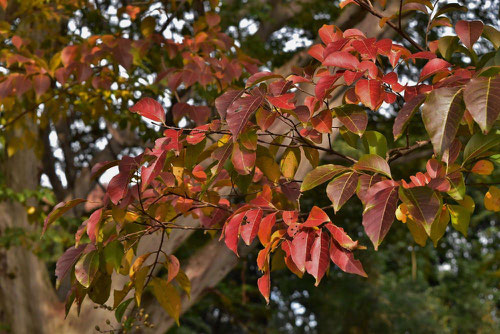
(468, 203)
(417, 231)
(138, 264)
(168, 297)
(140, 278)
(492, 199)
(483, 167)
(438, 227)
(460, 218)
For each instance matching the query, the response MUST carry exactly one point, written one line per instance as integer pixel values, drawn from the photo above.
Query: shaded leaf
(442, 111)
(319, 262)
(344, 259)
(341, 188)
(406, 113)
(59, 210)
(320, 175)
(423, 203)
(168, 297)
(373, 163)
(380, 210)
(482, 99)
(353, 117)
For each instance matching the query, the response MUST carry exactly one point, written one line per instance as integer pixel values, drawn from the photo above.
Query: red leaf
(370, 67)
(149, 173)
(223, 102)
(469, 32)
(373, 163)
(299, 249)
(319, 262)
(249, 230)
(240, 111)
(323, 121)
(423, 203)
(353, 117)
(265, 118)
(282, 101)
(149, 108)
(66, 262)
(325, 85)
(423, 55)
(197, 135)
(231, 231)
(41, 83)
(366, 47)
(341, 237)
(341, 188)
(482, 98)
(93, 224)
(380, 210)
(369, 93)
(290, 217)
(432, 67)
(59, 210)
(442, 112)
(118, 187)
(365, 183)
(173, 268)
(316, 217)
(344, 259)
(329, 33)
(243, 160)
(261, 76)
(405, 114)
(264, 284)
(69, 54)
(316, 51)
(342, 59)
(265, 228)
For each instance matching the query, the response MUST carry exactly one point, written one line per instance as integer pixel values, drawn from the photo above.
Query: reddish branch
(368, 7)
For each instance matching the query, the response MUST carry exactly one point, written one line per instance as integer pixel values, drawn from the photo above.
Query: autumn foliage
(235, 168)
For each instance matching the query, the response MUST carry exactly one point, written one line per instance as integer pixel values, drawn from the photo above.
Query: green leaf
(493, 35)
(375, 143)
(417, 231)
(168, 297)
(140, 279)
(320, 175)
(438, 227)
(184, 282)
(99, 292)
(120, 310)
(442, 112)
(447, 46)
(450, 8)
(457, 190)
(460, 218)
(86, 268)
(113, 254)
(373, 163)
(480, 144)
